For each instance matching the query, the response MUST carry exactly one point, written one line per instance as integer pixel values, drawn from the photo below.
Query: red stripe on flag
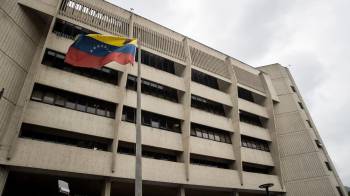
(79, 58)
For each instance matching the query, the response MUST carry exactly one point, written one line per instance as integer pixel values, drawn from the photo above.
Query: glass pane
(49, 98)
(154, 123)
(198, 133)
(59, 100)
(205, 134)
(217, 137)
(101, 112)
(81, 106)
(211, 135)
(91, 109)
(193, 132)
(37, 95)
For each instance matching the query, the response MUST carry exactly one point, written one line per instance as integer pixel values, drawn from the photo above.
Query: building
(212, 125)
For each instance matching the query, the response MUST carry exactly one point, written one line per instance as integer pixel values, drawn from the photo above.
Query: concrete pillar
(181, 191)
(106, 188)
(3, 177)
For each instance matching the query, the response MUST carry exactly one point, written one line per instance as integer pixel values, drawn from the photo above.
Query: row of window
(152, 88)
(56, 59)
(250, 118)
(255, 168)
(253, 143)
(73, 101)
(152, 120)
(207, 105)
(51, 135)
(210, 133)
(204, 79)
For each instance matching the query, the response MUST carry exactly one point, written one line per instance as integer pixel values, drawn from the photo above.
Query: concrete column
(106, 188)
(186, 126)
(9, 137)
(181, 191)
(3, 178)
(236, 137)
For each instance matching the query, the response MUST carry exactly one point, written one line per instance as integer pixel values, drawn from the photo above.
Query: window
(293, 88)
(245, 94)
(47, 134)
(152, 119)
(148, 152)
(72, 101)
(253, 143)
(204, 79)
(256, 168)
(207, 105)
(339, 191)
(328, 166)
(309, 123)
(210, 133)
(55, 59)
(250, 118)
(68, 30)
(157, 62)
(301, 105)
(152, 88)
(209, 162)
(318, 143)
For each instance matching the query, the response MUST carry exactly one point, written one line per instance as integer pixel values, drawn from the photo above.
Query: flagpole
(138, 165)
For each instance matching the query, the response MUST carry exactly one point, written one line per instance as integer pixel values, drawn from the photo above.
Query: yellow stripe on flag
(113, 40)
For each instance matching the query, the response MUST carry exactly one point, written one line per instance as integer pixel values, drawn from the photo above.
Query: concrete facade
(295, 163)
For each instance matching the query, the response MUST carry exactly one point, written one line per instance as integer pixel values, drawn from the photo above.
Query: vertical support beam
(3, 178)
(138, 166)
(119, 109)
(106, 188)
(181, 191)
(236, 137)
(186, 126)
(271, 126)
(9, 138)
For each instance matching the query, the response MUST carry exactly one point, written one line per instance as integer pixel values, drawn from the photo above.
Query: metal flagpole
(138, 166)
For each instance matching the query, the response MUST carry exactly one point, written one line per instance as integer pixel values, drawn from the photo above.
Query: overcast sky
(313, 37)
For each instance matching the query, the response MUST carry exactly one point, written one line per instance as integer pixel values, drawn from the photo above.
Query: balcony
(252, 108)
(211, 120)
(58, 43)
(211, 94)
(151, 136)
(51, 156)
(253, 180)
(155, 105)
(213, 177)
(255, 131)
(211, 148)
(69, 120)
(256, 156)
(76, 83)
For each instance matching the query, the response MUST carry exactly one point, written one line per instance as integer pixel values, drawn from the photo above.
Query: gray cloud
(312, 36)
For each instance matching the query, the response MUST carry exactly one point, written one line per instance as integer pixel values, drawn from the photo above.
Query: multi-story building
(211, 125)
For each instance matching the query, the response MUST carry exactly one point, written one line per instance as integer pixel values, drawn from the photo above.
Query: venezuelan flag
(96, 50)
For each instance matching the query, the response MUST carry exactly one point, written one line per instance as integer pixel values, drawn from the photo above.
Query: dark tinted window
(152, 120)
(250, 118)
(157, 62)
(56, 60)
(207, 105)
(73, 101)
(152, 88)
(254, 143)
(204, 79)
